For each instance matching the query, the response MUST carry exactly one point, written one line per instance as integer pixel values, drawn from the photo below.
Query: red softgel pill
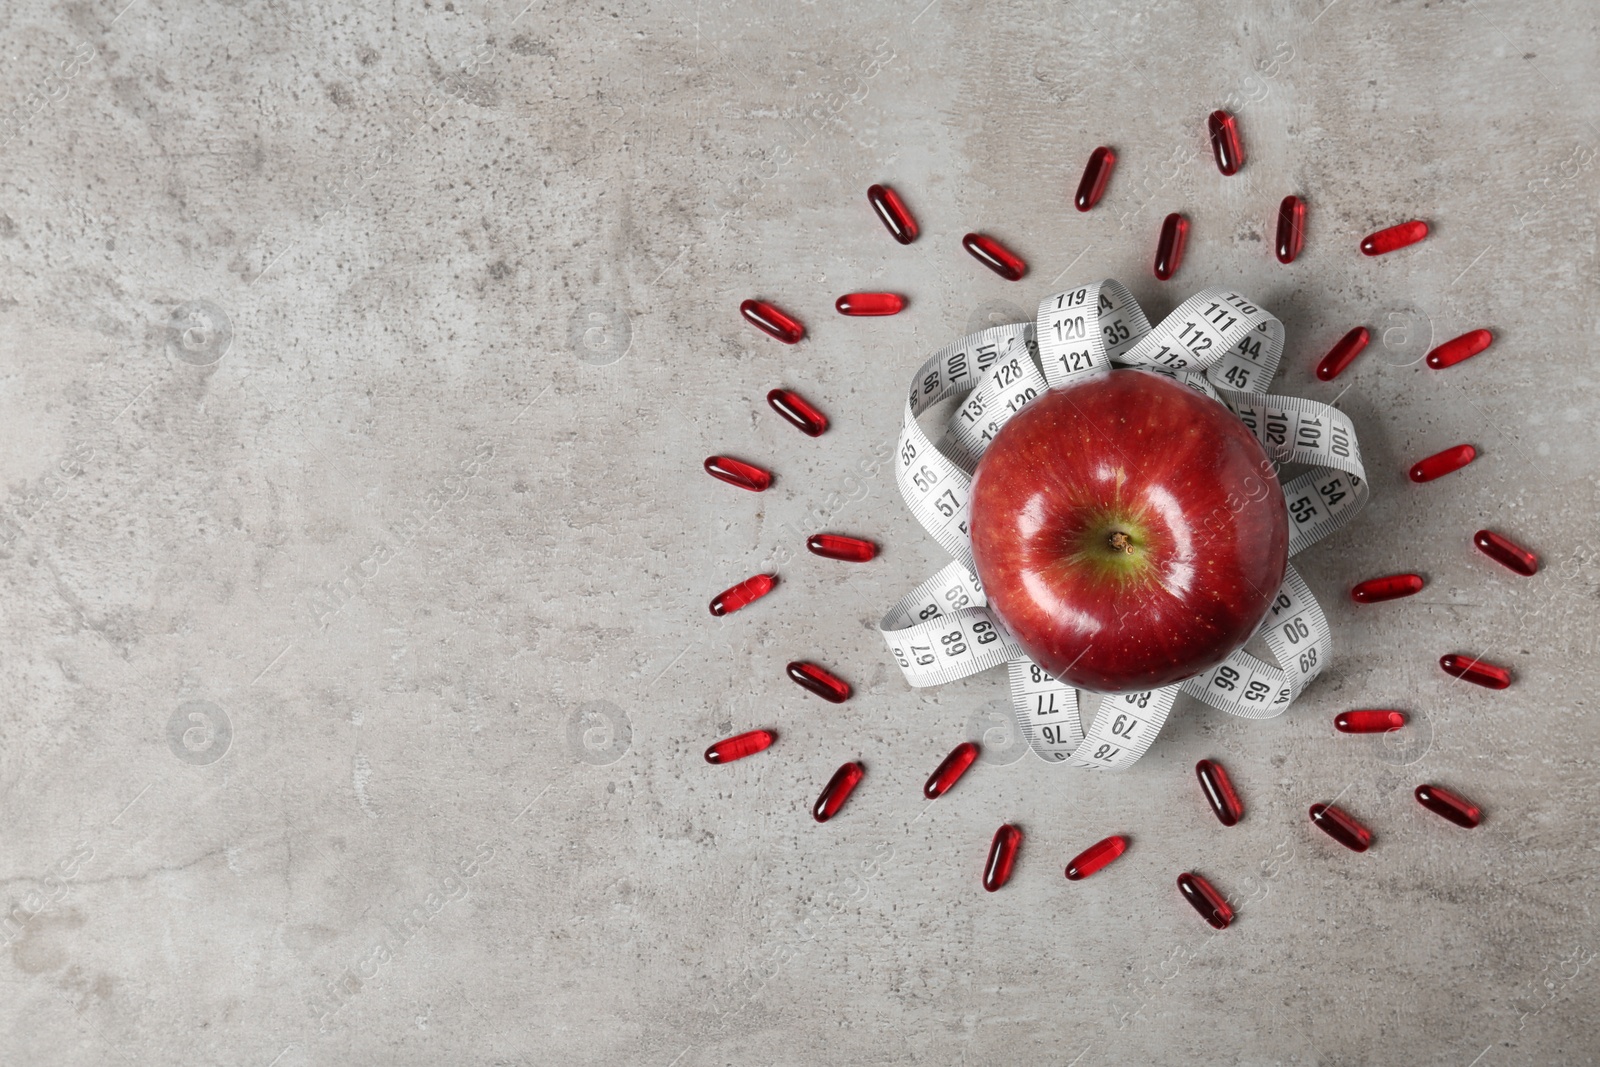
(1458, 809)
(1205, 899)
(815, 679)
(1368, 722)
(740, 745)
(1095, 175)
(1389, 587)
(1291, 229)
(1219, 792)
(870, 304)
(1475, 671)
(1170, 245)
(837, 546)
(745, 593)
(892, 210)
(772, 321)
(1460, 348)
(1506, 552)
(798, 411)
(1338, 825)
(1096, 857)
(1002, 857)
(1225, 142)
(950, 770)
(1441, 463)
(837, 791)
(1343, 354)
(736, 472)
(1384, 241)
(996, 256)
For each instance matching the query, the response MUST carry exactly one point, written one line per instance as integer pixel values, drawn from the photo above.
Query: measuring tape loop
(1218, 342)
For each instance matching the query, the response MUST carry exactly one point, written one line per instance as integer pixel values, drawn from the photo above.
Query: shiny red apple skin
(1190, 488)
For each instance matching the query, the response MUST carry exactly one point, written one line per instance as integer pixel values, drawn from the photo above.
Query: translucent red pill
(740, 745)
(950, 770)
(1095, 175)
(1460, 348)
(1002, 857)
(1219, 791)
(1407, 233)
(1506, 552)
(1097, 857)
(737, 472)
(1453, 806)
(1205, 899)
(1225, 142)
(837, 546)
(892, 210)
(996, 256)
(812, 678)
(1476, 671)
(1368, 722)
(837, 791)
(794, 407)
(1338, 825)
(1169, 247)
(772, 321)
(742, 595)
(865, 304)
(1441, 463)
(1291, 228)
(1389, 587)
(1343, 354)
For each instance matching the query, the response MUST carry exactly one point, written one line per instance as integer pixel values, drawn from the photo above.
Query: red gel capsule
(1458, 809)
(1205, 899)
(1341, 827)
(1169, 248)
(837, 546)
(1475, 671)
(996, 256)
(1407, 233)
(1441, 463)
(813, 678)
(1096, 857)
(794, 407)
(1095, 175)
(1460, 348)
(887, 203)
(1225, 143)
(1389, 587)
(745, 593)
(1214, 783)
(1368, 722)
(1002, 857)
(1506, 552)
(950, 770)
(1343, 354)
(862, 304)
(1291, 228)
(735, 472)
(740, 745)
(837, 791)
(771, 321)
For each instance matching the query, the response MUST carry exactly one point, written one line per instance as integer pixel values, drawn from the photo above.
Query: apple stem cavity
(1121, 542)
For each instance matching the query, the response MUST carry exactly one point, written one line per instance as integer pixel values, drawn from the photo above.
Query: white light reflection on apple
(1180, 576)
(1059, 611)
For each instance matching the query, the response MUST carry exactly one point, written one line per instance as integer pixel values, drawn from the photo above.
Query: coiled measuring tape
(1217, 342)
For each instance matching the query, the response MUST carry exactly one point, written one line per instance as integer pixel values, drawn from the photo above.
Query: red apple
(1129, 531)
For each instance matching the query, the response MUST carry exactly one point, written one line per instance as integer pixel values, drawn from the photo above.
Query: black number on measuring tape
(1124, 726)
(984, 632)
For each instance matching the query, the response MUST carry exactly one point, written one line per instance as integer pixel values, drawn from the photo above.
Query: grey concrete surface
(359, 361)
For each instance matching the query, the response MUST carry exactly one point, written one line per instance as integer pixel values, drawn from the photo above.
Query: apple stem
(1121, 542)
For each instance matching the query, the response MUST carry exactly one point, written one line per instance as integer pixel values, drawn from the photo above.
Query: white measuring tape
(1217, 342)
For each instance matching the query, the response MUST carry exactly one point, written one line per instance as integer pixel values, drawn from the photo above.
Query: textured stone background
(358, 367)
